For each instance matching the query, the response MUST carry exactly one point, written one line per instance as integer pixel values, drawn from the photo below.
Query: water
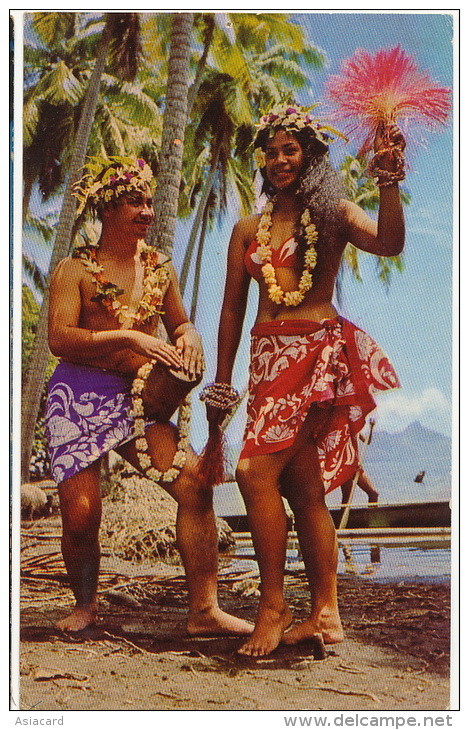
(384, 563)
(396, 563)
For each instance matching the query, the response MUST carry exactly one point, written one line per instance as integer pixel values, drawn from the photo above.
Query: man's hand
(189, 347)
(155, 349)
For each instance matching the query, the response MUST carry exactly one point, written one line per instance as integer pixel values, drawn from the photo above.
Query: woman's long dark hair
(319, 189)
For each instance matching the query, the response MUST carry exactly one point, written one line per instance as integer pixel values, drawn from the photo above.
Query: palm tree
(58, 68)
(218, 116)
(59, 48)
(174, 123)
(363, 191)
(116, 28)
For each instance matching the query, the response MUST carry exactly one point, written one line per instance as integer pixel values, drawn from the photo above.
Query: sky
(412, 320)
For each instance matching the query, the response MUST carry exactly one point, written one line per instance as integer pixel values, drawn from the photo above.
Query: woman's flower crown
(292, 118)
(108, 179)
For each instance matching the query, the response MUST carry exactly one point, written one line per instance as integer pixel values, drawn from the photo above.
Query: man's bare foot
(216, 622)
(268, 632)
(327, 624)
(79, 619)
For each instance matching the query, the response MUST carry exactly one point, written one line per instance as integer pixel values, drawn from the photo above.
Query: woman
(311, 371)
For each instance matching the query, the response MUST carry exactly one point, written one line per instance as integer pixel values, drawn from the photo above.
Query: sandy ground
(395, 657)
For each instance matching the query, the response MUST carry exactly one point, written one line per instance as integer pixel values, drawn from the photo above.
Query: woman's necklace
(264, 251)
(107, 293)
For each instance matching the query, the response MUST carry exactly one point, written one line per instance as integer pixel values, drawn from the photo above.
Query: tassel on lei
(222, 397)
(212, 459)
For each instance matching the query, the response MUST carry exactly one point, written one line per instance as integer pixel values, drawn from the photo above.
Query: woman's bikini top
(284, 256)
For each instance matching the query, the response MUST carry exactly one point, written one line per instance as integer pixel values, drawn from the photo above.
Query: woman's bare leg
(80, 507)
(258, 482)
(303, 487)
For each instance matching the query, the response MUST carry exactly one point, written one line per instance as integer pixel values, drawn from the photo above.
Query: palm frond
(53, 28)
(35, 275)
(60, 85)
(126, 48)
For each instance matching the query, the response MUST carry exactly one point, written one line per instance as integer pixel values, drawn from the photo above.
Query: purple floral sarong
(88, 413)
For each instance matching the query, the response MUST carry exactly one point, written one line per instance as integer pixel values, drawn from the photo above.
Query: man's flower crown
(108, 179)
(293, 118)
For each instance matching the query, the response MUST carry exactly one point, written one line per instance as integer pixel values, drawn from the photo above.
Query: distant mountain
(393, 460)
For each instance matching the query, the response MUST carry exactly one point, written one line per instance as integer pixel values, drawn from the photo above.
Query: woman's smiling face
(284, 160)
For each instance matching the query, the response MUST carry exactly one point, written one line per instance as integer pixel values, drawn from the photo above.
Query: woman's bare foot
(268, 632)
(216, 622)
(327, 624)
(79, 619)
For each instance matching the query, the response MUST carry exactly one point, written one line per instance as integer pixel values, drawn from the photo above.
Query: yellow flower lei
(141, 444)
(264, 251)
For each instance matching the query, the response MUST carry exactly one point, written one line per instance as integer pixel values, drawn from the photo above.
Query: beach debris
(121, 598)
(139, 523)
(44, 675)
(35, 502)
(226, 538)
(323, 688)
(348, 668)
(246, 587)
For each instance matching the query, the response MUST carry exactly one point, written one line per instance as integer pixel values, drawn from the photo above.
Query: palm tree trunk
(172, 144)
(199, 216)
(210, 21)
(198, 264)
(27, 190)
(33, 382)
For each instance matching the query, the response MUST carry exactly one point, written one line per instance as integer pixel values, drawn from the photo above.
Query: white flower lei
(264, 251)
(141, 444)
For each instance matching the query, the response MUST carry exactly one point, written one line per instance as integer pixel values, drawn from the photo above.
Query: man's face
(284, 160)
(133, 212)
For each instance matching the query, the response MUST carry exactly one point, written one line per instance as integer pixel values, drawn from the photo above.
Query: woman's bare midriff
(312, 313)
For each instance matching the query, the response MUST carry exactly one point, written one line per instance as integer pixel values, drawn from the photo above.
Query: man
(105, 303)
(364, 482)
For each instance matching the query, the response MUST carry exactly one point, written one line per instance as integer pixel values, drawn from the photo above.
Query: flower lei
(110, 178)
(141, 444)
(264, 251)
(155, 276)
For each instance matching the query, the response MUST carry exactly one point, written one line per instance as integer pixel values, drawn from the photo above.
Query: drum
(164, 391)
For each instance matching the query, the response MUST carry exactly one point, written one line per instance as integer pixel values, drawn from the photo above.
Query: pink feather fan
(385, 88)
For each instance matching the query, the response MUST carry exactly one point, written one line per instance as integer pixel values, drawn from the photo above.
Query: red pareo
(297, 363)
